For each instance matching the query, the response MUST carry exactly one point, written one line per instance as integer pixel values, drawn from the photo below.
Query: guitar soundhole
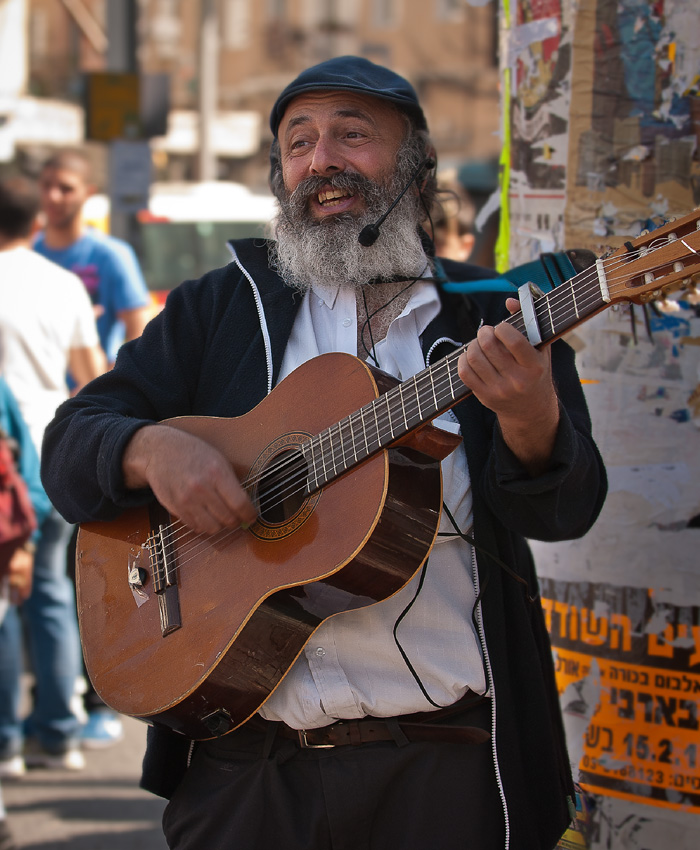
(282, 488)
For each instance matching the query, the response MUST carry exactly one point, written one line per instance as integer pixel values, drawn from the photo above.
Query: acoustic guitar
(195, 632)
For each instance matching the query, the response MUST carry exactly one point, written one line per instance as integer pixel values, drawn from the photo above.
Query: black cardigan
(216, 350)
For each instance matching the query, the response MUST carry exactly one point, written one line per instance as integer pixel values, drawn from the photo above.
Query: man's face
(63, 193)
(323, 134)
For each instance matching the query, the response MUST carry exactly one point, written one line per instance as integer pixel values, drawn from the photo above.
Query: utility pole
(208, 87)
(121, 57)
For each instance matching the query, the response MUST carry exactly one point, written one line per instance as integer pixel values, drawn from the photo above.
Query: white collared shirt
(351, 666)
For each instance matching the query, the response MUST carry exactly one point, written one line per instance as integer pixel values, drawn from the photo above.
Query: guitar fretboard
(431, 392)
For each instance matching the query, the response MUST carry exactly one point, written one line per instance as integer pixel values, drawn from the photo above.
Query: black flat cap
(352, 73)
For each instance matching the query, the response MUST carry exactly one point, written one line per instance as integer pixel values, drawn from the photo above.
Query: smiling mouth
(332, 197)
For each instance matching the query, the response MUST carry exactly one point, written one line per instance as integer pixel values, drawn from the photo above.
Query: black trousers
(379, 796)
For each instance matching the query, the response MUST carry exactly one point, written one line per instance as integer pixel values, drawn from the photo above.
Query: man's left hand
(514, 379)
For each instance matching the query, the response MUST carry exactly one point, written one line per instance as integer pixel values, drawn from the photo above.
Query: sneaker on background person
(103, 729)
(12, 767)
(36, 756)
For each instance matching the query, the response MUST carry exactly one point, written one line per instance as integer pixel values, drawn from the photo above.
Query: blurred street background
(99, 808)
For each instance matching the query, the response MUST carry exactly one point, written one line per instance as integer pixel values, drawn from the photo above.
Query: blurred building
(447, 48)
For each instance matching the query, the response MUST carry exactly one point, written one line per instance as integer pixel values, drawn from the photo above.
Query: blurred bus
(184, 231)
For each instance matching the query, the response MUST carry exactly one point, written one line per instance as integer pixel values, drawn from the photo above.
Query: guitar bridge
(164, 570)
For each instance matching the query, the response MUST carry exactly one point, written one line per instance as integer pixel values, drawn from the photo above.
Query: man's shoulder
(104, 244)
(39, 268)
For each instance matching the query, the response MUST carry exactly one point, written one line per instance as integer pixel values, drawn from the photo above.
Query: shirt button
(320, 651)
(347, 323)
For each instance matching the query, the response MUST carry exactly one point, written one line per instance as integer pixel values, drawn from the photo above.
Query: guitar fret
(389, 420)
(432, 387)
(403, 406)
(573, 299)
(364, 431)
(449, 377)
(323, 457)
(542, 313)
(307, 453)
(318, 461)
(376, 423)
(549, 315)
(341, 444)
(448, 365)
(352, 439)
(421, 410)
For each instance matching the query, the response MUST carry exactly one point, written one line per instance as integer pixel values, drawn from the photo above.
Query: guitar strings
(555, 301)
(552, 311)
(381, 421)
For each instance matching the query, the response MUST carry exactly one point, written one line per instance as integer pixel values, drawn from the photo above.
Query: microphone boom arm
(370, 233)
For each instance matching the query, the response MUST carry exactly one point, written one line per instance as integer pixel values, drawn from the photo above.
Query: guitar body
(204, 653)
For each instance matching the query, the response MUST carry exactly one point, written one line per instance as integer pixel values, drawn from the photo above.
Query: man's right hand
(189, 477)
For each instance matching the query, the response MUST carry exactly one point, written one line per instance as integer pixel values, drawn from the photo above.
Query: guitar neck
(416, 401)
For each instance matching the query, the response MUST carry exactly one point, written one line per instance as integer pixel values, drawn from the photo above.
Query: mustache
(349, 181)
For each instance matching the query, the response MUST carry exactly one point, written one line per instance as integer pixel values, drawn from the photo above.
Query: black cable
(469, 539)
(368, 324)
(398, 643)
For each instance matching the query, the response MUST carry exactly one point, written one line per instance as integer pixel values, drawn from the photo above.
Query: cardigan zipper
(482, 641)
(261, 316)
(487, 663)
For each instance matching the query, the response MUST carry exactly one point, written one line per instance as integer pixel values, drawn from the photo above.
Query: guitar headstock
(655, 263)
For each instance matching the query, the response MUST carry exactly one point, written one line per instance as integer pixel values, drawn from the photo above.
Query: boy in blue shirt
(107, 266)
(112, 276)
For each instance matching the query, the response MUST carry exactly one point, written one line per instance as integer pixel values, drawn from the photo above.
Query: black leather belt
(401, 730)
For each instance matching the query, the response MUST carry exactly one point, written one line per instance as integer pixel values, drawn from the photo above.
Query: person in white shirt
(47, 329)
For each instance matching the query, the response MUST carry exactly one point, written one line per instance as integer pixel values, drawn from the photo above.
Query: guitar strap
(548, 271)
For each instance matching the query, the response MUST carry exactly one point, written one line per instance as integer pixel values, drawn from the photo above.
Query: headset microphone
(370, 233)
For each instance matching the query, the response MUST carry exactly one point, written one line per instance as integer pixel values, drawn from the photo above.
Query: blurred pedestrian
(47, 327)
(107, 266)
(452, 225)
(16, 582)
(111, 274)
(478, 178)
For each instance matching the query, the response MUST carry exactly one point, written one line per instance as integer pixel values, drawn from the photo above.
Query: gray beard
(307, 251)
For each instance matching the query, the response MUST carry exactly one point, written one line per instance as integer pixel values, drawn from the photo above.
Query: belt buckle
(305, 745)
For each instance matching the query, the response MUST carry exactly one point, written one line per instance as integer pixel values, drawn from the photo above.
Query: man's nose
(326, 158)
